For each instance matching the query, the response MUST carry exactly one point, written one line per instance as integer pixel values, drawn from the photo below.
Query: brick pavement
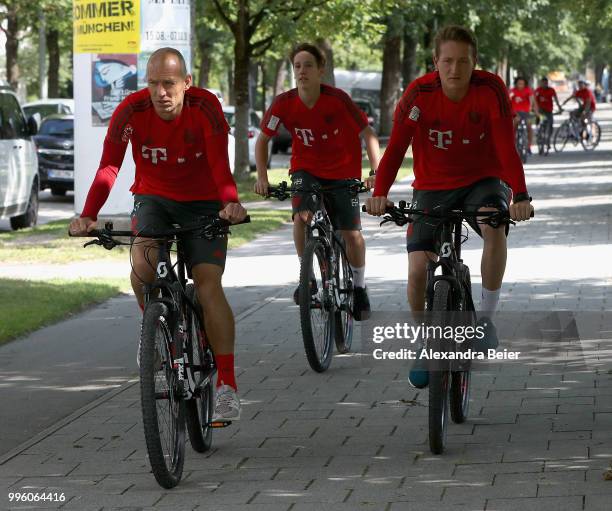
(355, 438)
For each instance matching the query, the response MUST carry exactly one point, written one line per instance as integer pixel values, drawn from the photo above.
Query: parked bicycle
(578, 131)
(449, 290)
(177, 365)
(326, 292)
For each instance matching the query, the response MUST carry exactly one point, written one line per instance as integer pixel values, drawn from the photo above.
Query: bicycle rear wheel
(163, 407)
(541, 137)
(561, 137)
(439, 381)
(590, 135)
(316, 306)
(344, 315)
(199, 409)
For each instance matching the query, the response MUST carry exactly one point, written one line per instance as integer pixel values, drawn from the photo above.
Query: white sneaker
(227, 404)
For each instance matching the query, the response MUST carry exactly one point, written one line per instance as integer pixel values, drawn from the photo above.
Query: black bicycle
(544, 133)
(575, 130)
(522, 139)
(326, 292)
(177, 365)
(449, 300)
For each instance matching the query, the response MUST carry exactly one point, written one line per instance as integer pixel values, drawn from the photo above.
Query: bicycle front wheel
(590, 135)
(199, 409)
(163, 407)
(439, 381)
(344, 315)
(316, 306)
(561, 137)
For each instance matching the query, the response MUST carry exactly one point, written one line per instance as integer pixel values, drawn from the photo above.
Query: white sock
(489, 300)
(358, 276)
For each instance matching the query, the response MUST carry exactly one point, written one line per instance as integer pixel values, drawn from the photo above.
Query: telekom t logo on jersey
(305, 135)
(441, 138)
(153, 152)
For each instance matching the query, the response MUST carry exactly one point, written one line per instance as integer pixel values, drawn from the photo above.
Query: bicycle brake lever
(92, 242)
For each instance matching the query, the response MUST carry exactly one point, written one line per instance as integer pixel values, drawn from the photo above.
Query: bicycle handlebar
(283, 191)
(215, 227)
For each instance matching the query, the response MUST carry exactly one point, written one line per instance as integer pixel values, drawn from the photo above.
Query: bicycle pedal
(220, 424)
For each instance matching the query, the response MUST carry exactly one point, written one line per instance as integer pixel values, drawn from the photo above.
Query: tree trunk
(12, 47)
(231, 97)
(205, 63)
(262, 105)
(54, 63)
(193, 40)
(241, 88)
(280, 77)
(391, 77)
(409, 59)
(328, 52)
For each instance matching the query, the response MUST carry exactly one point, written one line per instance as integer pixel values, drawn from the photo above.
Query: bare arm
(373, 150)
(261, 161)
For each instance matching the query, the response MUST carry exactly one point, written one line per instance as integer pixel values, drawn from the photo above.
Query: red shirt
(585, 94)
(184, 159)
(544, 98)
(520, 99)
(454, 144)
(325, 138)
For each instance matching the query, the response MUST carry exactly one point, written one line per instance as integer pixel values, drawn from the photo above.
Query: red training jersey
(520, 99)
(544, 98)
(585, 94)
(325, 138)
(454, 144)
(184, 159)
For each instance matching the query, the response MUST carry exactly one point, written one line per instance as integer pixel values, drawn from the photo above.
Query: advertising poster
(113, 77)
(164, 23)
(106, 26)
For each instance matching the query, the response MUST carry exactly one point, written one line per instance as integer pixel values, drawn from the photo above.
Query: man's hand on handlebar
(233, 212)
(261, 187)
(377, 206)
(81, 226)
(522, 210)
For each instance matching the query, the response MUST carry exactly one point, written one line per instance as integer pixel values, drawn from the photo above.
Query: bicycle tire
(460, 380)
(593, 136)
(343, 328)
(316, 315)
(166, 452)
(439, 382)
(199, 410)
(541, 137)
(561, 137)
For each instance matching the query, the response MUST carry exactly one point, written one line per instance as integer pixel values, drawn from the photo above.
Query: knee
(417, 275)
(491, 233)
(352, 238)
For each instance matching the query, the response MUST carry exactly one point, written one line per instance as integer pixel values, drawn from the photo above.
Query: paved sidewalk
(355, 438)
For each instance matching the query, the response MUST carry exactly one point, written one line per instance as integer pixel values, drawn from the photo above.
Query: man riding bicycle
(521, 98)
(459, 121)
(544, 96)
(586, 100)
(325, 127)
(179, 140)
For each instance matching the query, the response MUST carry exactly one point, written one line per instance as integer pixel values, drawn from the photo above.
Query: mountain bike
(449, 300)
(326, 291)
(177, 364)
(544, 133)
(522, 139)
(575, 130)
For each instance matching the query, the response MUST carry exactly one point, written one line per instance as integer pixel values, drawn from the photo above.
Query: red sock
(225, 370)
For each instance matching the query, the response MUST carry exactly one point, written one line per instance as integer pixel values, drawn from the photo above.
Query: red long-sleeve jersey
(453, 144)
(184, 159)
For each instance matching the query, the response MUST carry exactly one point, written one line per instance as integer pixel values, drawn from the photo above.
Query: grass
(28, 305)
(49, 244)
(276, 175)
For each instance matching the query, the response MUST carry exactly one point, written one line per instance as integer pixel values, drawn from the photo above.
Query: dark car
(55, 147)
(368, 109)
(282, 141)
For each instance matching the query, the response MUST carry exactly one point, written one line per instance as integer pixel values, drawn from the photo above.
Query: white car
(253, 132)
(45, 107)
(19, 181)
